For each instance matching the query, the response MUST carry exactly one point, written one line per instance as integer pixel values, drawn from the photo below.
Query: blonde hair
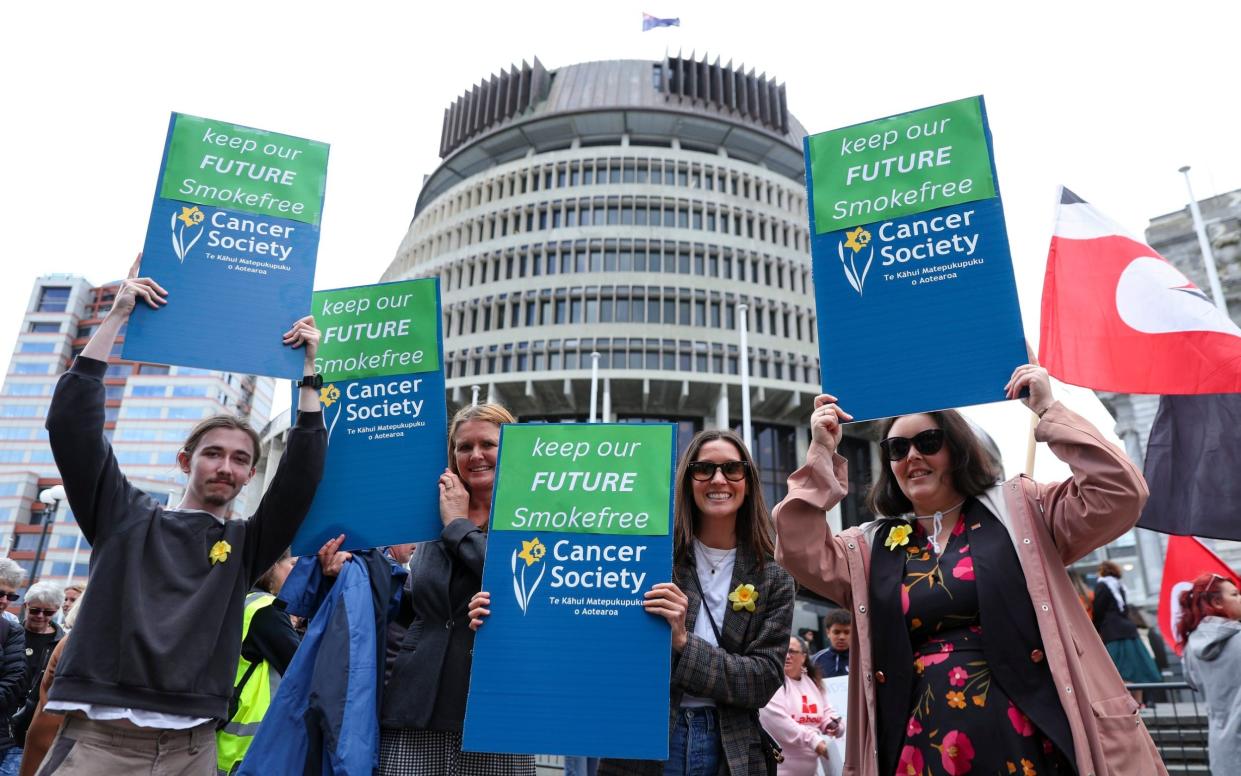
(491, 413)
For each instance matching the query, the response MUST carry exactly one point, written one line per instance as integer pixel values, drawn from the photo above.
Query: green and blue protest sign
(381, 356)
(233, 237)
(569, 662)
(914, 286)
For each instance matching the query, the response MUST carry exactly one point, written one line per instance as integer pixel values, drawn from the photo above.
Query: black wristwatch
(312, 381)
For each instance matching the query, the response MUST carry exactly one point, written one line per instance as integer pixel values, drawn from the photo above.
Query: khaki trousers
(85, 747)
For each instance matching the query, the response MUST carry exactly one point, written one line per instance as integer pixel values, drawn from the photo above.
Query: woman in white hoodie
(1209, 626)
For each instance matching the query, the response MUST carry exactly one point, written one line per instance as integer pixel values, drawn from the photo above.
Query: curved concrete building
(628, 208)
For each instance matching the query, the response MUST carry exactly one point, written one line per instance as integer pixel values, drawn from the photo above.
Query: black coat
(1109, 620)
(14, 678)
(36, 664)
(431, 675)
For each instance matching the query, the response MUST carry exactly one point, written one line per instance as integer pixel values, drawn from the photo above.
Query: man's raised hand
(135, 288)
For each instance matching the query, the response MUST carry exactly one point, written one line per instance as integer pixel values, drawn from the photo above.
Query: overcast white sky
(1109, 101)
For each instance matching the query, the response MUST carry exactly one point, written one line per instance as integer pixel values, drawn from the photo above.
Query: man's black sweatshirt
(161, 628)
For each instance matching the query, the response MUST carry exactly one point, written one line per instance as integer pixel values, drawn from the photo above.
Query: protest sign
(233, 236)
(568, 662)
(383, 402)
(914, 286)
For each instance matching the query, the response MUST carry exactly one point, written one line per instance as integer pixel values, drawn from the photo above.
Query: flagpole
(1208, 258)
(594, 384)
(1031, 445)
(745, 377)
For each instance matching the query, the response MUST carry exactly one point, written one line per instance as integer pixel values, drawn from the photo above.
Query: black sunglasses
(41, 612)
(12, 596)
(927, 442)
(734, 471)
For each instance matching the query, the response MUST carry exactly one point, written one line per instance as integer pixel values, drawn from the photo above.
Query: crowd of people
(964, 643)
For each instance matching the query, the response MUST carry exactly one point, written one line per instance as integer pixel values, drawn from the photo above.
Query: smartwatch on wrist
(312, 381)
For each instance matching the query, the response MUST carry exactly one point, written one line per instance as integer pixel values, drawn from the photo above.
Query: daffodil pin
(743, 597)
(219, 552)
(898, 536)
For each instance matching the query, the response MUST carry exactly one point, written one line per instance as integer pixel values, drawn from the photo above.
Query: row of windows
(53, 299)
(621, 304)
(176, 413)
(38, 455)
(163, 434)
(668, 257)
(630, 353)
(28, 389)
(58, 569)
(23, 410)
(613, 171)
(36, 346)
(617, 211)
(22, 433)
(146, 457)
(176, 391)
(12, 488)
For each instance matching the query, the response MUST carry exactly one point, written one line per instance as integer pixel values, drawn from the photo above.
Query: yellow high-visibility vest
(233, 740)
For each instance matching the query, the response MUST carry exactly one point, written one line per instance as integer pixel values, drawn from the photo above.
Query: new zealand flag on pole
(651, 22)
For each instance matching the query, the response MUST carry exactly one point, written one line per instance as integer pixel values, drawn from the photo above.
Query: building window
(41, 327)
(53, 299)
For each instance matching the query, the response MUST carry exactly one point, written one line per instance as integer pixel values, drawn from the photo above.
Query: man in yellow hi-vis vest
(268, 642)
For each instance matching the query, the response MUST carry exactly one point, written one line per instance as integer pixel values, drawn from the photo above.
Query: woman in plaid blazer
(723, 531)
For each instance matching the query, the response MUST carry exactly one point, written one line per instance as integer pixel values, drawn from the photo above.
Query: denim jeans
(11, 761)
(694, 747)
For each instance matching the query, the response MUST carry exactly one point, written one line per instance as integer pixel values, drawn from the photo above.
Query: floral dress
(960, 721)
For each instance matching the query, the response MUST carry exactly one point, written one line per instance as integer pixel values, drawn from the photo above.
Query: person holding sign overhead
(151, 666)
(424, 702)
(730, 608)
(971, 652)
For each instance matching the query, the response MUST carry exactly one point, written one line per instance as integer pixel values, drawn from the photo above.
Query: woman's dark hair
(754, 526)
(1110, 569)
(1204, 599)
(812, 669)
(972, 470)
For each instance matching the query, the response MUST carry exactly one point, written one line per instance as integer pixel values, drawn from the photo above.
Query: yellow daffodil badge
(744, 597)
(898, 537)
(219, 552)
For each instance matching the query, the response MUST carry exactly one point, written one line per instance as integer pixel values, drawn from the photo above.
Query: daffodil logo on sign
(531, 553)
(856, 241)
(189, 218)
(744, 597)
(329, 395)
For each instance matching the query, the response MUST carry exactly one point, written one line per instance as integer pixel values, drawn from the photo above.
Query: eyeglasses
(734, 471)
(927, 442)
(11, 596)
(796, 652)
(40, 612)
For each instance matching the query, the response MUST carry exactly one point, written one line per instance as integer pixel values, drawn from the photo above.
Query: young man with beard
(150, 667)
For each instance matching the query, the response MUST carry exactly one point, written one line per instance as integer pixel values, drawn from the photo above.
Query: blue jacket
(324, 719)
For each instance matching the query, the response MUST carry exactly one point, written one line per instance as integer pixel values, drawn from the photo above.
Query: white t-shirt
(715, 574)
(140, 717)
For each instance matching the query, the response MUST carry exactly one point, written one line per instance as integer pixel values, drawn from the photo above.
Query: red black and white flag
(1187, 558)
(1119, 317)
